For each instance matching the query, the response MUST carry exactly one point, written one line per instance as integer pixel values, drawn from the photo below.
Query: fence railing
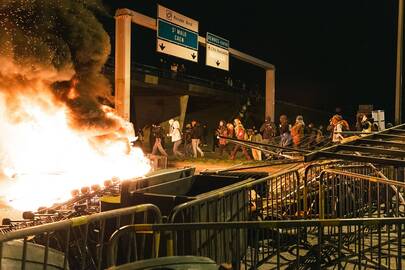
(77, 243)
(327, 191)
(294, 244)
(311, 180)
(272, 197)
(347, 194)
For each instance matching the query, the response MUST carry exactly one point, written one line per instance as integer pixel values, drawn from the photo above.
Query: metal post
(270, 93)
(169, 244)
(123, 65)
(398, 79)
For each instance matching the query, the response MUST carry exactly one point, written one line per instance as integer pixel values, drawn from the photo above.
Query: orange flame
(46, 159)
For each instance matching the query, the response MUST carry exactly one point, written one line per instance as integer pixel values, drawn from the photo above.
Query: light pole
(398, 77)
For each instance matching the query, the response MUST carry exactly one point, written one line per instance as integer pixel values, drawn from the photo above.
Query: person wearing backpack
(297, 131)
(284, 130)
(366, 125)
(159, 137)
(196, 135)
(339, 125)
(268, 130)
(240, 135)
(222, 130)
(175, 134)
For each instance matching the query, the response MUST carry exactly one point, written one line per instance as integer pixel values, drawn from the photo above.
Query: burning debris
(56, 46)
(55, 134)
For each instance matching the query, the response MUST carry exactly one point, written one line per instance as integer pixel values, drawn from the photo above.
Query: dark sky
(326, 53)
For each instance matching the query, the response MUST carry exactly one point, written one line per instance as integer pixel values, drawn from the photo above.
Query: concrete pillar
(398, 81)
(183, 109)
(270, 93)
(123, 65)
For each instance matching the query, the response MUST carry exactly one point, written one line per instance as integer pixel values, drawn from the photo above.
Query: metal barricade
(299, 244)
(310, 185)
(313, 171)
(268, 198)
(347, 194)
(272, 197)
(81, 240)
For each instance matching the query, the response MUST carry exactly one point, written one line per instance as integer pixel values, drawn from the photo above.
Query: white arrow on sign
(217, 57)
(164, 46)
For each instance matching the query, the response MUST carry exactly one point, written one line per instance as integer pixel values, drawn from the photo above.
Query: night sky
(327, 53)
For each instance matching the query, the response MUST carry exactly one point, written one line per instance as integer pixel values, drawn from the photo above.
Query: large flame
(45, 159)
(54, 135)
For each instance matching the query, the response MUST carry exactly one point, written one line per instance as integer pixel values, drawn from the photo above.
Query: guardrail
(338, 189)
(270, 197)
(299, 244)
(313, 171)
(80, 240)
(273, 197)
(348, 194)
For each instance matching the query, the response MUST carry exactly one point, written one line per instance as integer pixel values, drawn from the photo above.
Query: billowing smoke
(55, 48)
(55, 133)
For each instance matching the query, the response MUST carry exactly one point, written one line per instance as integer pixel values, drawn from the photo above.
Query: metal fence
(312, 173)
(253, 222)
(286, 195)
(77, 243)
(299, 244)
(348, 194)
(273, 197)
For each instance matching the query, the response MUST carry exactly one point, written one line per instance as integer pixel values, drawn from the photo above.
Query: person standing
(159, 136)
(240, 135)
(284, 130)
(175, 134)
(319, 136)
(366, 126)
(312, 132)
(257, 137)
(297, 131)
(231, 134)
(338, 126)
(222, 130)
(188, 149)
(268, 130)
(173, 69)
(196, 135)
(231, 130)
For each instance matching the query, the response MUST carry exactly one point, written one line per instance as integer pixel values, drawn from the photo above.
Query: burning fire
(45, 159)
(54, 134)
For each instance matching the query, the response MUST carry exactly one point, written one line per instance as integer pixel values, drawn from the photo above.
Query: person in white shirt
(175, 134)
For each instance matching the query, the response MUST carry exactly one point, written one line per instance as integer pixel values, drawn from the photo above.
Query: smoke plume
(55, 48)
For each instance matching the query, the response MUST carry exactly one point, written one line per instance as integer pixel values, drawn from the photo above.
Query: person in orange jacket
(297, 131)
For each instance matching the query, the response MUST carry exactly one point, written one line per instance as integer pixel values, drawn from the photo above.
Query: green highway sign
(176, 34)
(217, 41)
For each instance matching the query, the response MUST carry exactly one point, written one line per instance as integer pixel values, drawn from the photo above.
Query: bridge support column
(183, 110)
(123, 65)
(270, 93)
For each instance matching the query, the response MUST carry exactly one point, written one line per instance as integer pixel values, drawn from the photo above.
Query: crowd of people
(190, 138)
(285, 135)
